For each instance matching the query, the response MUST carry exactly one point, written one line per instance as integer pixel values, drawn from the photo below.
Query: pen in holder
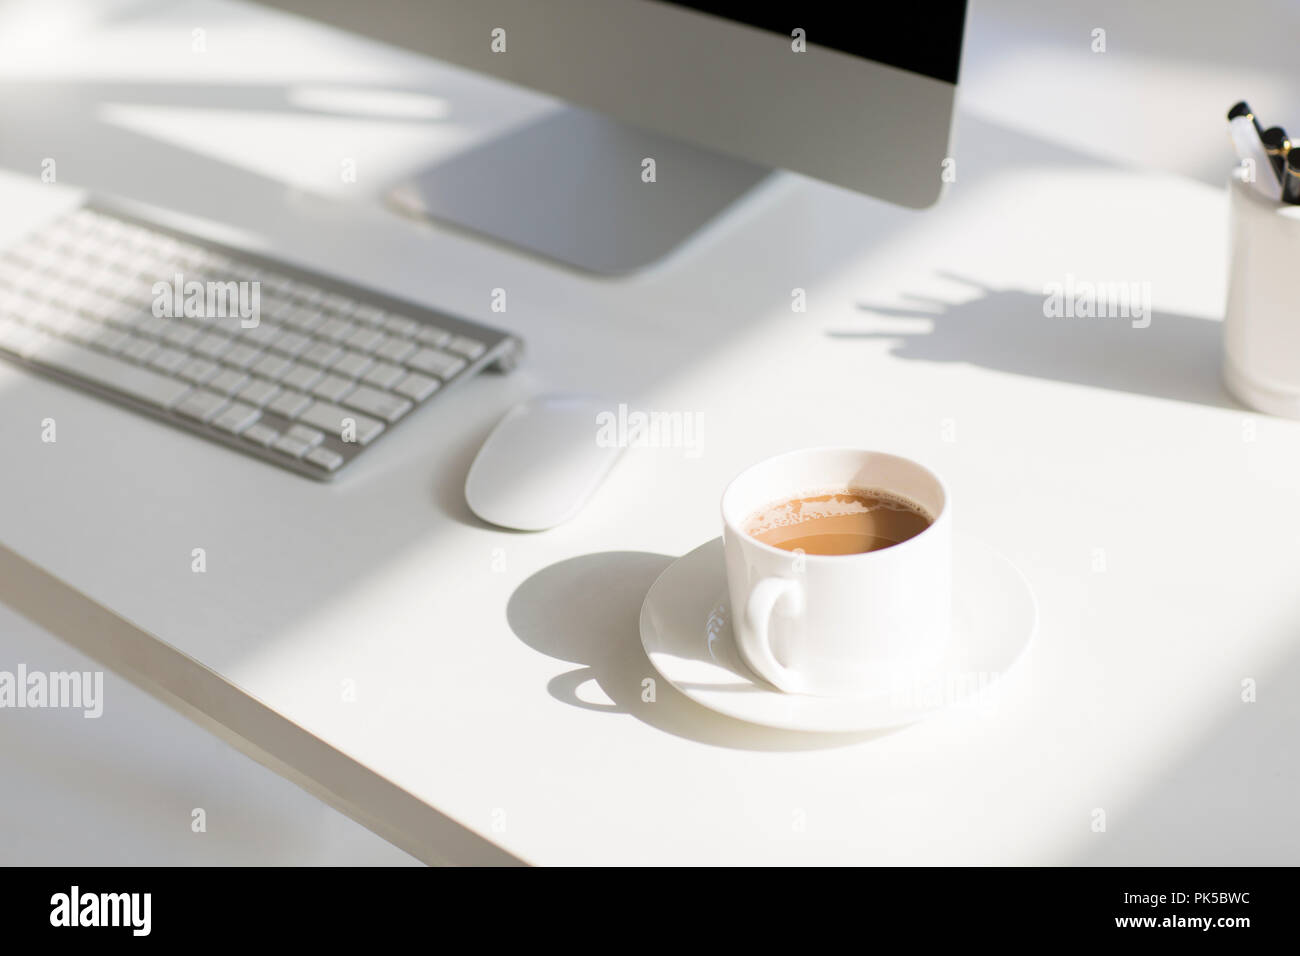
(1261, 327)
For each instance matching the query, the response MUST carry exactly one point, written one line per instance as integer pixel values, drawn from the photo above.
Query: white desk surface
(498, 675)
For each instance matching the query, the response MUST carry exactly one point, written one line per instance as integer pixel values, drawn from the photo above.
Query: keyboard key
(364, 339)
(400, 325)
(241, 356)
(417, 386)
(331, 419)
(309, 294)
(290, 343)
(227, 381)
(352, 364)
(110, 339)
(17, 339)
(332, 387)
(127, 315)
(110, 372)
(81, 330)
(66, 305)
(271, 365)
(257, 392)
(434, 362)
(291, 446)
(334, 330)
(228, 325)
(169, 360)
(139, 350)
(322, 354)
(125, 342)
(339, 303)
(369, 314)
(260, 335)
(98, 307)
(276, 308)
(395, 349)
(466, 347)
(260, 434)
(383, 405)
(246, 272)
(199, 370)
(236, 418)
(310, 436)
(304, 318)
(180, 334)
(383, 375)
(289, 404)
(153, 326)
(329, 460)
(202, 405)
(188, 251)
(301, 377)
(42, 314)
(212, 345)
(276, 284)
(54, 320)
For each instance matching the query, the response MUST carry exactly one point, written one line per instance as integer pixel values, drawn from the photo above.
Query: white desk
(498, 709)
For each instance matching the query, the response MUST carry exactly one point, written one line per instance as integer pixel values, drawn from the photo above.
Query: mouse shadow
(1158, 354)
(586, 611)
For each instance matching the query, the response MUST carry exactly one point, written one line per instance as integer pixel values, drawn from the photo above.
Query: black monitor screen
(922, 37)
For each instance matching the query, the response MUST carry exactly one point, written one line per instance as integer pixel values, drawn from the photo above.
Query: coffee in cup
(846, 521)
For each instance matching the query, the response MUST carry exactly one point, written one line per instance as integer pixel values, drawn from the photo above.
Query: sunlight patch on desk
(359, 101)
(319, 153)
(71, 39)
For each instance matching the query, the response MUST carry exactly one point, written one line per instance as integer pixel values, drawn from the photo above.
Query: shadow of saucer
(586, 611)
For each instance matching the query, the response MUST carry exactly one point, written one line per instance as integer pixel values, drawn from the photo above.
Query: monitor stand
(570, 187)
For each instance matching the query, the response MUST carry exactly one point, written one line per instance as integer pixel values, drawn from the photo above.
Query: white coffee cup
(838, 625)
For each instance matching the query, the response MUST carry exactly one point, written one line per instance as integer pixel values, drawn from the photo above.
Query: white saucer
(686, 631)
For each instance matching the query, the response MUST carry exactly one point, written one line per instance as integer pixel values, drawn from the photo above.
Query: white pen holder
(1261, 328)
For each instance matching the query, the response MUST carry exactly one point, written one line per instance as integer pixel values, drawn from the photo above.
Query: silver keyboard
(278, 362)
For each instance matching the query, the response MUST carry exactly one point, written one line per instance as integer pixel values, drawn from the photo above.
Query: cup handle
(763, 600)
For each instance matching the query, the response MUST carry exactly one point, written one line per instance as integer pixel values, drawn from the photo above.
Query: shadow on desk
(1174, 356)
(585, 611)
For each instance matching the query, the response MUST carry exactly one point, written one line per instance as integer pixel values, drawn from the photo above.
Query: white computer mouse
(542, 462)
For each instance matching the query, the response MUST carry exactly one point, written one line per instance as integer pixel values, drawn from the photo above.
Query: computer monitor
(678, 109)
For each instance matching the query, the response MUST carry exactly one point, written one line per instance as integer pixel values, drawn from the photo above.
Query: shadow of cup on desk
(1125, 349)
(586, 611)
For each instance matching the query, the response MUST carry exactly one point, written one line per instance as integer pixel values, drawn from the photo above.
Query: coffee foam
(810, 505)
